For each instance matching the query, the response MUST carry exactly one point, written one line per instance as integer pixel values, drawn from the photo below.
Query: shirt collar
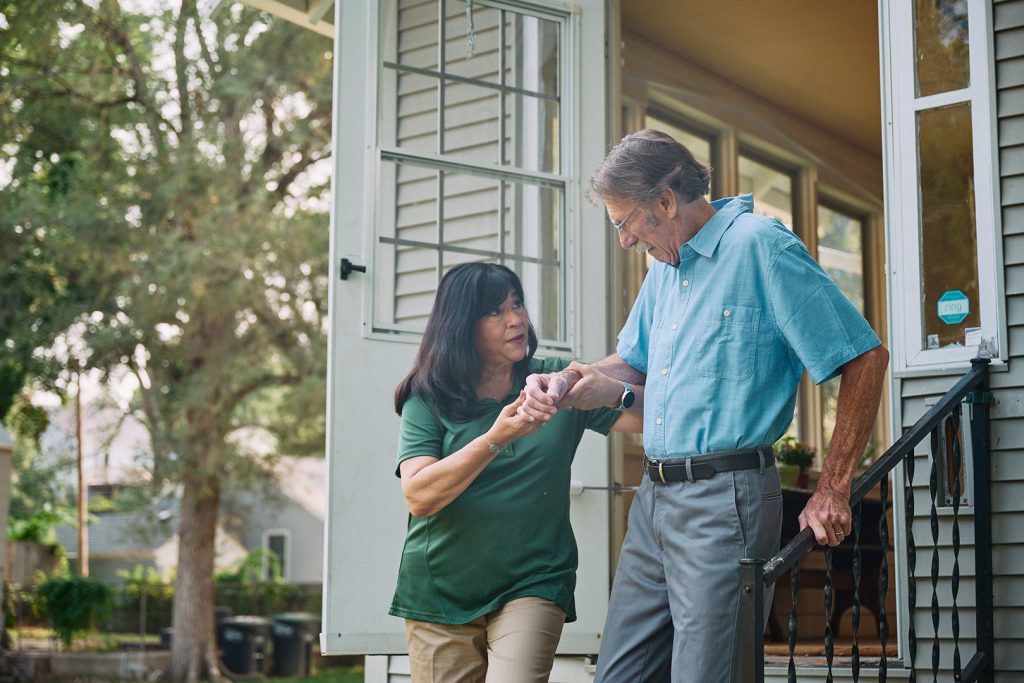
(726, 211)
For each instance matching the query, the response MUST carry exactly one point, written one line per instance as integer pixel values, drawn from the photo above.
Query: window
(472, 166)
(700, 144)
(946, 301)
(276, 544)
(841, 254)
(772, 189)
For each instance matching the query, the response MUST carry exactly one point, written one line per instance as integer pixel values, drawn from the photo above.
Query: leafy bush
(72, 604)
(254, 569)
(790, 451)
(39, 527)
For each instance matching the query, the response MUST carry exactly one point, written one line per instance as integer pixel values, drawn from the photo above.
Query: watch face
(628, 397)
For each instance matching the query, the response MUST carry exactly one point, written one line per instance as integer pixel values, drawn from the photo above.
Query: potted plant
(792, 460)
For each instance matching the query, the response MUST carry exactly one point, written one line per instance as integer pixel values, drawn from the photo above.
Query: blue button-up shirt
(724, 336)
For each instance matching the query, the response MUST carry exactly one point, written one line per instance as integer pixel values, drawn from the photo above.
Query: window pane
(471, 115)
(534, 57)
(496, 88)
(479, 86)
(949, 255)
(772, 190)
(471, 214)
(475, 55)
(941, 40)
(405, 266)
(531, 133)
(277, 546)
(841, 254)
(417, 32)
(416, 111)
(481, 219)
(533, 250)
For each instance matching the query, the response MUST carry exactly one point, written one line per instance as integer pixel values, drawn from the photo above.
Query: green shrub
(791, 451)
(72, 604)
(39, 527)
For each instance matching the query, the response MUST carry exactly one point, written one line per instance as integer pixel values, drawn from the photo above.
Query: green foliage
(38, 528)
(12, 379)
(27, 421)
(37, 484)
(166, 219)
(72, 604)
(141, 579)
(790, 451)
(254, 568)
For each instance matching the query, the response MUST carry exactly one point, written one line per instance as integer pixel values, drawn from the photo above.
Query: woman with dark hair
(489, 565)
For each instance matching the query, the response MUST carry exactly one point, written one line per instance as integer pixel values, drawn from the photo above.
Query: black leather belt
(696, 467)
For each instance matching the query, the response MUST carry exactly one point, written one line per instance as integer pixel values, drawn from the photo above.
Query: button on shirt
(724, 336)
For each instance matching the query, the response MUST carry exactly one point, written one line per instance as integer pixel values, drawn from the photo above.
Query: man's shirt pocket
(726, 343)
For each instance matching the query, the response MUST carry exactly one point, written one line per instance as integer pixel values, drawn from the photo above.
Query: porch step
(841, 648)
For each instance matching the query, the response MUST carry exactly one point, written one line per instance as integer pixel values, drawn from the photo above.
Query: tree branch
(138, 76)
(181, 71)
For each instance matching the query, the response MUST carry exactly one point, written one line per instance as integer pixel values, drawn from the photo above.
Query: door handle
(577, 487)
(347, 268)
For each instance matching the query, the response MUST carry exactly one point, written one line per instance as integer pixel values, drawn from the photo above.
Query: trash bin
(243, 641)
(220, 613)
(294, 636)
(165, 637)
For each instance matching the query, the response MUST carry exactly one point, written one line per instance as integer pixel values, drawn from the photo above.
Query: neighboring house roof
(119, 533)
(304, 480)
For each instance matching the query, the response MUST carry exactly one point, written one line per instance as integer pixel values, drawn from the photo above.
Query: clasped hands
(578, 386)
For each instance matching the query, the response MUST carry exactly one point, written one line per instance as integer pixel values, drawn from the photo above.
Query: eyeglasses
(622, 224)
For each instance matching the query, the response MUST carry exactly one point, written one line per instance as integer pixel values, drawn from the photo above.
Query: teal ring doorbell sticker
(952, 307)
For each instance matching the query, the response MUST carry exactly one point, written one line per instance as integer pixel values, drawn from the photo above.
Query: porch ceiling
(816, 60)
(316, 15)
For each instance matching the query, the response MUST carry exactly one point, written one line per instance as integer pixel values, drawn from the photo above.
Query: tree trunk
(193, 642)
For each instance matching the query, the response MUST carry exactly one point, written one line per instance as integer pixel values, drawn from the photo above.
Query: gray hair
(643, 165)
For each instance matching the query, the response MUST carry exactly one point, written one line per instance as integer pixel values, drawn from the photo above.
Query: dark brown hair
(447, 366)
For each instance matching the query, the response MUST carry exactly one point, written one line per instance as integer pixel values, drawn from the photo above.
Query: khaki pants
(516, 644)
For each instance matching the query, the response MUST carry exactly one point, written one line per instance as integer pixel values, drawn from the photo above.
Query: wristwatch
(494, 448)
(628, 397)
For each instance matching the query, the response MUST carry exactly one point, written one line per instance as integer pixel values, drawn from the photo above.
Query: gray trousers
(673, 612)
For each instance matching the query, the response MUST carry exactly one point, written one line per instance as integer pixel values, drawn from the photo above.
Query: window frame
(900, 106)
(571, 105)
(286, 560)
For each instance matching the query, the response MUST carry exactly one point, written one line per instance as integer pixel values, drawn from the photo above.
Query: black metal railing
(943, 424)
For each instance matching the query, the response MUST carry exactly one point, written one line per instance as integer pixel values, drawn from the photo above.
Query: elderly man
(727, 319)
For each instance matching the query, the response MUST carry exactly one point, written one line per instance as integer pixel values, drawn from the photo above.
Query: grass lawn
(340, 674)
(44, 638)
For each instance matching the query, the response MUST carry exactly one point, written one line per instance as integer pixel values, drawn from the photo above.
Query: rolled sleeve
(420, 434)
(824, 329)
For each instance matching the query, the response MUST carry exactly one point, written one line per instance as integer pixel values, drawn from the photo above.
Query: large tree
(163, 215)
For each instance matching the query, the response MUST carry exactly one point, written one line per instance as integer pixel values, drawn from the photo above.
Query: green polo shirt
(507, 535)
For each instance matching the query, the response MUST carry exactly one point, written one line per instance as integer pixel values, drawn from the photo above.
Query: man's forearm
(860, 392)
(615, 367)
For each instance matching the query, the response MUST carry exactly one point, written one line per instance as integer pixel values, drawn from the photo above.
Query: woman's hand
(511, 425)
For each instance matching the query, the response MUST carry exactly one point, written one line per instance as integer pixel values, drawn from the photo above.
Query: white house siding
(1007, 413)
